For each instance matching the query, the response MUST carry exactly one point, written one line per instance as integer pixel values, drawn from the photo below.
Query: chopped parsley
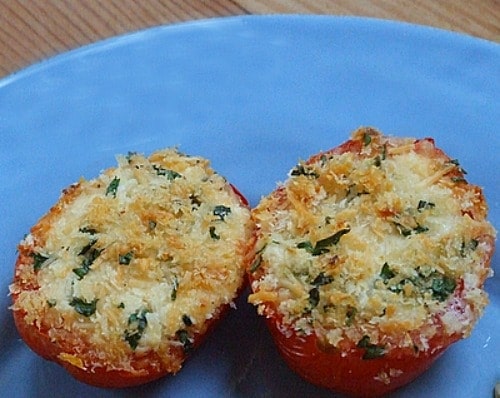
(313, 297)
(301, 170)
(322, 279)
(213, 234)
(187, 342)
(187, 320)
(372, 351)
(137, 323)
(89, 254)
(113, 187)
(125, 259)
(170, 174)
(38, 260)
(221, 211)
(424, 205)
(83, 307)
(322, 246)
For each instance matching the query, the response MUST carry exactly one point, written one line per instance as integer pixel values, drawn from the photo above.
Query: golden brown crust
(380, 237)
(127, 273)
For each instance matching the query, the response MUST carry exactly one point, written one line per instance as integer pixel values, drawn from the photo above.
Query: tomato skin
(347, 372)
(147, 368)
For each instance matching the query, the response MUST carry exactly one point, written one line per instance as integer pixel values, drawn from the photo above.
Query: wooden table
(32, 30)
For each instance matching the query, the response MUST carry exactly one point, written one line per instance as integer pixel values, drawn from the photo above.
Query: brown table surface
(32, 30)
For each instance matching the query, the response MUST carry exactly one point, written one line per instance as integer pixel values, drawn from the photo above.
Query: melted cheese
(147, 250)
(381, 241)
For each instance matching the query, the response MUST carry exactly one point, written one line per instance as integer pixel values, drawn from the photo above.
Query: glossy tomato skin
(347, 372)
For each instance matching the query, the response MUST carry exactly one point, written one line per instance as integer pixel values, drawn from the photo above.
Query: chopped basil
(213, 234)
(427, 280)
(367, 139)
(187, 320)
(322, 245)
(89, 254)
(221, 211)
(51, 303)
(442, 286)
(256, 263)
(88, 230)
(313, 297)
(113, 187)
(129, 156)
(301, 170)
(137, 323)
(170, 174)
(125, 259)
(38, 260)
(183, 336)
(406, 231)
(83, 307)
(372, 351)
(469, 246)
(386, 272)
(322, 279)
(424, 205)
(121, 305)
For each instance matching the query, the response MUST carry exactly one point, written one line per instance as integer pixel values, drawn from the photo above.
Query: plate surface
(254, 95)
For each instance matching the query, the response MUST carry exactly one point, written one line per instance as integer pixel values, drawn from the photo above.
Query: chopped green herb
(183, 336)
(51, 303)
(121, 305)
(151, 225)
(301, 170)
(129, 156)
(458, 179)
(88, 230)
(137, 323)
(89, 254)
(313, 297)
(170, 174)
(406, 231)
(322, 245)
(221, 211)
(372, 351)
(457, 163)
(187, 320)
(213, 234)
(424, 205)
(256, 263)
(322, 279)
(38, 260)
(387, 273)
(125, 259)
(470, 246)
(367, 139)
(113, 187)
(442, 286)
(83, 307)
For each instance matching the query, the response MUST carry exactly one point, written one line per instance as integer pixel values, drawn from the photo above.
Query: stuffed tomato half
(371, 260)
(130, 271)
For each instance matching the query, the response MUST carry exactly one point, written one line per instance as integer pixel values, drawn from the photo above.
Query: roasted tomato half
(371, 260)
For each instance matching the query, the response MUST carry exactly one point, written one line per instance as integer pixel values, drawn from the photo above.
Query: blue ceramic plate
(254, 95)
